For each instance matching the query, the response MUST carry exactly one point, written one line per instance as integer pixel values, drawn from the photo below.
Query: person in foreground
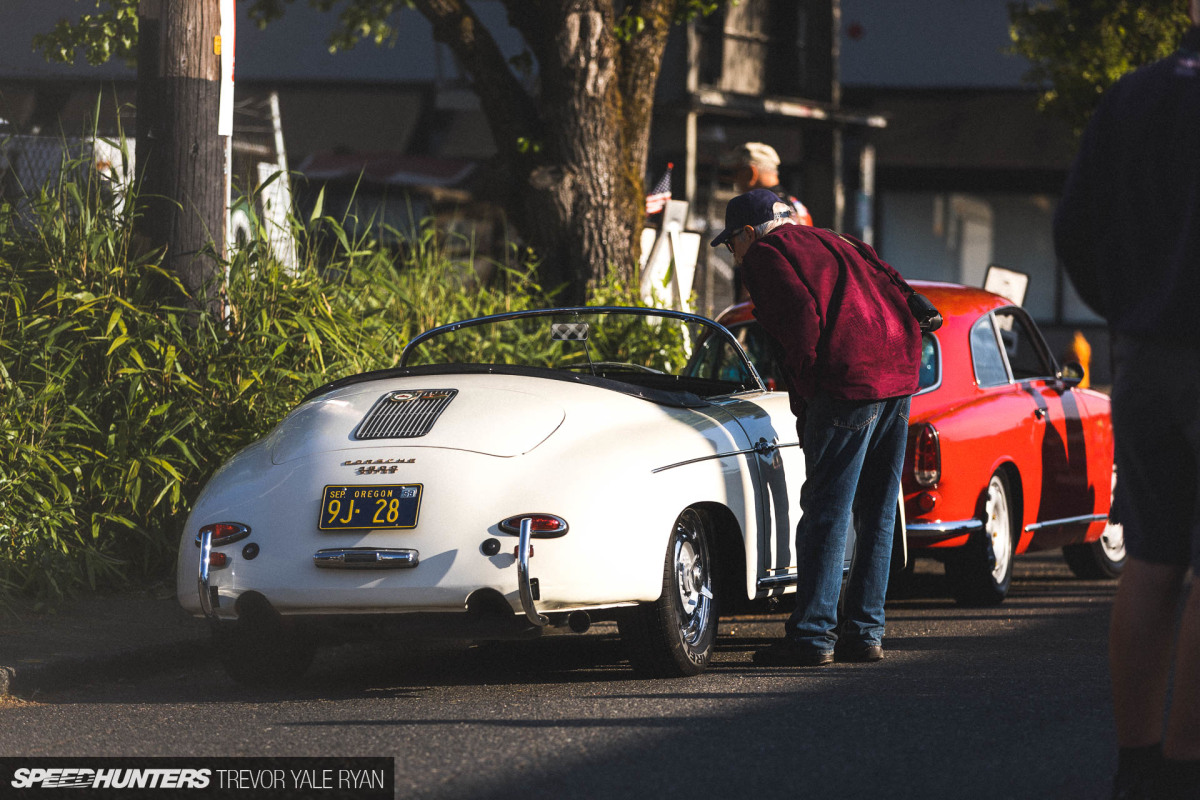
(1128, 233)
(851, 353)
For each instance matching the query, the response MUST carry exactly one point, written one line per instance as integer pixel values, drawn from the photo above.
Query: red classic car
(1006, 453)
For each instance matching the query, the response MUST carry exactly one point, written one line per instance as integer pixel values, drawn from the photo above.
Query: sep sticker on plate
(357, 508)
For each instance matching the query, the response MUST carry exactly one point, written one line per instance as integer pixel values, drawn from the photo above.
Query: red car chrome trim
(1058, 523)
(943, 528)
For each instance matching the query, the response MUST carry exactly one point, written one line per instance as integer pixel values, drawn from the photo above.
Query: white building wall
(955, 237)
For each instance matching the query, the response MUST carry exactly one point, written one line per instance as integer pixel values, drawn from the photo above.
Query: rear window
(931, 363)
(986, 355)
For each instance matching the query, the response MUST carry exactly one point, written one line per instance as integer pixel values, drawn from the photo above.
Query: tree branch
(641, 60)
(507, 104)
(533, 23)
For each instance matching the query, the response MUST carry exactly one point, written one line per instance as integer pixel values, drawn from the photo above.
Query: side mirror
(1071, 374)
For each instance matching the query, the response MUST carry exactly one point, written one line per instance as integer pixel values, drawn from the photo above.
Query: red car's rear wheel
(1103, 558)
(982, 573)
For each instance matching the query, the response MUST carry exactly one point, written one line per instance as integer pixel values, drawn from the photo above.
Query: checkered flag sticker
(569, 331)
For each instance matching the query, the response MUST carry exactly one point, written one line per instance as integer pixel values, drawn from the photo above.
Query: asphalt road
(1006, 702)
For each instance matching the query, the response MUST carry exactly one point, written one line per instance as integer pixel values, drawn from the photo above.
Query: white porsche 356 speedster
(514, 472)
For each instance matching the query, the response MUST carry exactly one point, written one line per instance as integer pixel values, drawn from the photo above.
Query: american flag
(661, 193)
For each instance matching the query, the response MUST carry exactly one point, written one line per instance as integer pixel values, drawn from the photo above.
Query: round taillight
(927, 456)
(541, 526)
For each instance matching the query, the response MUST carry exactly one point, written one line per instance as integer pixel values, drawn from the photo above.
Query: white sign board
(1007, 283)
(669, 258)
(276, 198)
(225, 51)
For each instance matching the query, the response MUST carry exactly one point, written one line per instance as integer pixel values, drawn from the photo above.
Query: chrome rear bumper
(942, 529)
(366, 558)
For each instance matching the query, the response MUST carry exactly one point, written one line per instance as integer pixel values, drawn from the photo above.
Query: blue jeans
(853, 452)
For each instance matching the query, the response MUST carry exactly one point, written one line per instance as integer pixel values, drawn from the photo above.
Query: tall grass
(114, 409)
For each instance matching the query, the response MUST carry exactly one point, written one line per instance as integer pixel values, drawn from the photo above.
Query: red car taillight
(927, 456)
(224, 533)
(542, 526)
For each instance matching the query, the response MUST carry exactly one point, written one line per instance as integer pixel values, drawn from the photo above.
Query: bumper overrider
(919, 532)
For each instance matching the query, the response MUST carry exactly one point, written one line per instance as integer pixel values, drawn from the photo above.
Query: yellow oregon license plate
(358, 508)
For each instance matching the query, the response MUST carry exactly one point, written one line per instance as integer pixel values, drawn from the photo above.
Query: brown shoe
(858, 653)
(788, 653)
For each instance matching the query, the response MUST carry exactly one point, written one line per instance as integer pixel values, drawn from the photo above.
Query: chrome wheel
(674, 635)
(1103, 558)
(998, 527)
(1112, 542)
(693, 580)
(981, 572)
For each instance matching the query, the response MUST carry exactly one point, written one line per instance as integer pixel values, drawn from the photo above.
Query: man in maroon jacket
(850, 353)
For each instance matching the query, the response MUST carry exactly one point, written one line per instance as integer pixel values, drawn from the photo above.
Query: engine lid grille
(404, 414)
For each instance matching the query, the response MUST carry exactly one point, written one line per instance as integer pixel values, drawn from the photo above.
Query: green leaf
(318, 207)
(114, 320)
(116, 344)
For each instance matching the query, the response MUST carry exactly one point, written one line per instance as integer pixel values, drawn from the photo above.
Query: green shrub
(114, 409)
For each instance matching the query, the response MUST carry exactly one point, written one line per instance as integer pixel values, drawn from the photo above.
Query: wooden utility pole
(180, 157)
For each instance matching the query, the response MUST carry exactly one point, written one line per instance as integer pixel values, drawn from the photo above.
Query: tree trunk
(576, 150)
(581, 212)
(180, 157)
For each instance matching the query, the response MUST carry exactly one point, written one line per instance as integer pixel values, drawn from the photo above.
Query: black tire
(261, 650)
(1093, 562)
(982, 573)
(1103, 558)
(674, 636)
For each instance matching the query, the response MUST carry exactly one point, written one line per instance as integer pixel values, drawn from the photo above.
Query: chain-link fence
(260, 192)
(27, 163)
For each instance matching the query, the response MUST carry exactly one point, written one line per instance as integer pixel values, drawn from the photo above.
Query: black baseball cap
(751, 208)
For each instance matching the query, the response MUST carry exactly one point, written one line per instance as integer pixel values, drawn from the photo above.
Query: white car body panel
(500, 420)
(533, 457)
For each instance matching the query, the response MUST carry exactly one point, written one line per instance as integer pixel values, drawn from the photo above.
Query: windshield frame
(404, 367)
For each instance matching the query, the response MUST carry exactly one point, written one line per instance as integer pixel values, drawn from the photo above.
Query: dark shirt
(1128, 227)
(841, 320)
